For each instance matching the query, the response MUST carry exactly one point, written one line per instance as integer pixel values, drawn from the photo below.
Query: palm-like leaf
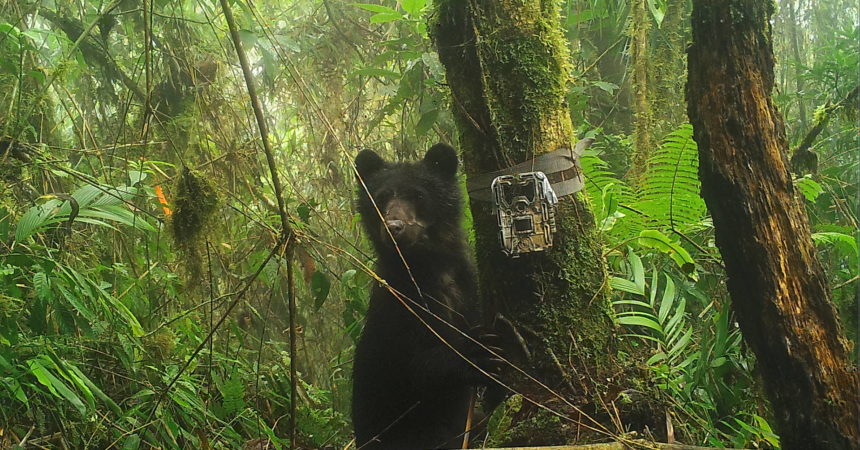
(95, 205)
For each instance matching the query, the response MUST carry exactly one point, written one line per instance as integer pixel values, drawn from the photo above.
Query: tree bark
(669, 69)
(506, 64)
(778, 289)
(793, 10)
(643, 134)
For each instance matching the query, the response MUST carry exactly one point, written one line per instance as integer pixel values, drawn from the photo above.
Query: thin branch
(802, 159)
(286, 239)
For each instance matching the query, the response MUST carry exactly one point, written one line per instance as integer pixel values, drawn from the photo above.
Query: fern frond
(670, 187)
(599, 180)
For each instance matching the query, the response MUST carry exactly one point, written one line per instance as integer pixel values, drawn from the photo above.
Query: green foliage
(696, 359)
(500, 421)
(686, 339)
(669, 193)
(845, 245)
(809, 188)
(666, 200)
(90, 204)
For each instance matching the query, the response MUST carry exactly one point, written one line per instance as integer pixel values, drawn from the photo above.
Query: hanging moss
(196, 200)
(159, 347)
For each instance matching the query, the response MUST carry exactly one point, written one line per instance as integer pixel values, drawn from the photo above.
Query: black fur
(410, 390)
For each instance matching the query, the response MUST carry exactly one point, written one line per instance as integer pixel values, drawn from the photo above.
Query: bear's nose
(395, 226)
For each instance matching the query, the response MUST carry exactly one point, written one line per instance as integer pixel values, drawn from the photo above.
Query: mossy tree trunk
(669, 68)
(778, 289)
(506, 65)
(643, 133)
(793, 9)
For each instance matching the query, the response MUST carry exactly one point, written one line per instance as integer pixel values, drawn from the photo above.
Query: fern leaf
(670, 187)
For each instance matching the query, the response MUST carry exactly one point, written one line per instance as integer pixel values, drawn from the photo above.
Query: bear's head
(417, 204)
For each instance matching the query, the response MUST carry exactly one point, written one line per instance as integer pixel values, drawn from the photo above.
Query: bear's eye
(415, 194)
(383, 194)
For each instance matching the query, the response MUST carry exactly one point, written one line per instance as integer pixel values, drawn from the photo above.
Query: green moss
(196, 200)
(160, 346)
(540, 428)
(533, 55)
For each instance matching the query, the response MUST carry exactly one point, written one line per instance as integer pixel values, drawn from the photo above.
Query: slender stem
(286, 232)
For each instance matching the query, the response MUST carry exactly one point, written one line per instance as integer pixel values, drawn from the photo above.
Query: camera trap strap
(524, 197)
(561, 168)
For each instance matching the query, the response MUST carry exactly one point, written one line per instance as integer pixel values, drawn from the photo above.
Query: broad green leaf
(667, 301)
(658, 357)
(320, 286)
(632, 302)
(5, 222)
(412, 7)
(640, 320)
(118, 213)
(115, 196)
(32, 220)
(659, 241)
(93, 203)
(638, 271)
(123, 311)
(658, 10)
(248, 38)
(14, 386)
(652, 295)
(73, 299)
(38, 75)
(7, 28)
(95, 389)
(132, 442)
(674, 326)
(62, 368)
(428, 119)
(304, 211)
(608, 87)
(624, 285)
(84, 196)
(92, 221)
(681, 343)
(136, 176)
(56, 386)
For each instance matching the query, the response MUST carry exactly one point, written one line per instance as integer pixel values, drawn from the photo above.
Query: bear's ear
(368, 162)
(442, 160)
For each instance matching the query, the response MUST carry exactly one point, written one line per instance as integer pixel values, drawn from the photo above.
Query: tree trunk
(669, 69)
(793, 10)
(778, 289)
(643, 134)
(506, 64)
